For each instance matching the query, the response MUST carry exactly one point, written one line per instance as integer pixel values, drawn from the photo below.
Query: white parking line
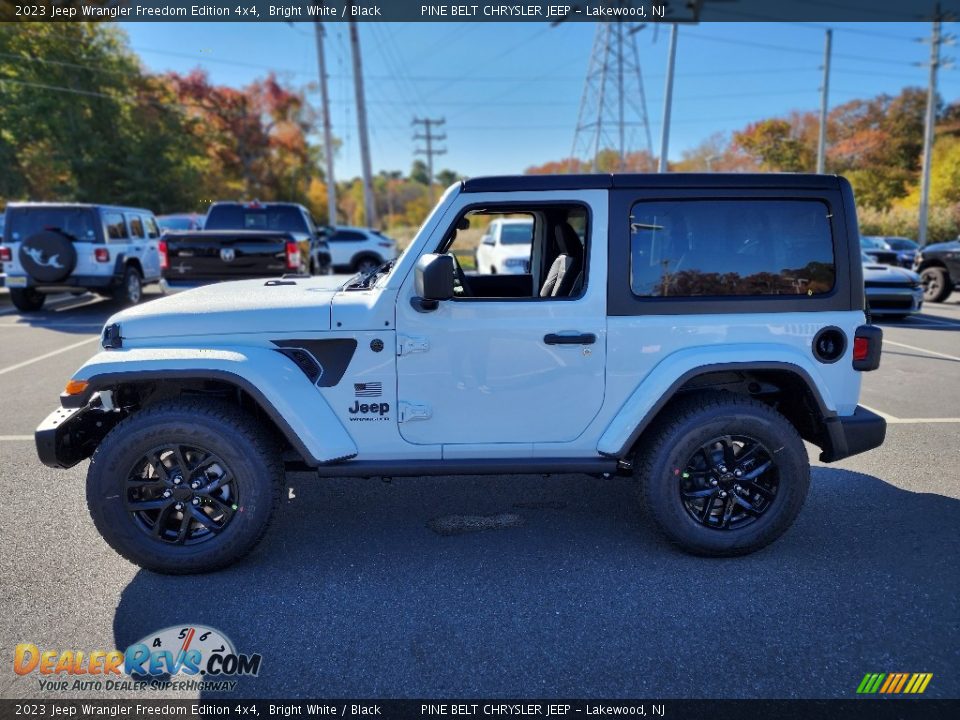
(15, 438)
(920, 349)
(891, 420)
(31, 361)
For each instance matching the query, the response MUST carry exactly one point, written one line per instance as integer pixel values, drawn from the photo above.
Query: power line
(429, 151)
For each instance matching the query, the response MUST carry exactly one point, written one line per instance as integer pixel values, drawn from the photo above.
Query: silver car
(893, 292)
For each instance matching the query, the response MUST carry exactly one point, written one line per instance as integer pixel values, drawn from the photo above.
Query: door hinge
(409, 411)
(409, 345)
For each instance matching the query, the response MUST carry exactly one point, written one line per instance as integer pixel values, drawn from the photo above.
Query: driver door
(486, 369)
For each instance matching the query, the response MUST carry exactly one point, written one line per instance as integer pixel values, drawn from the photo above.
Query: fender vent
(305, 361)
(829, 344)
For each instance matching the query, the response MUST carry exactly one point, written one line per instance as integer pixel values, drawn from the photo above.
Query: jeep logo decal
(369, 408)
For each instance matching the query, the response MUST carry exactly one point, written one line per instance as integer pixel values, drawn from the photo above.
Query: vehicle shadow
(351, 594)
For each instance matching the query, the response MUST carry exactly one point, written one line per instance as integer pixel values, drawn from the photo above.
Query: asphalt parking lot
(353, 594)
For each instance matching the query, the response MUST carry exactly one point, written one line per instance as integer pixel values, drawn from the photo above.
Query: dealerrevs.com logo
(182, 657)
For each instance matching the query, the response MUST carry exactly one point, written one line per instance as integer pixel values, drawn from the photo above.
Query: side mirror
(432, 281)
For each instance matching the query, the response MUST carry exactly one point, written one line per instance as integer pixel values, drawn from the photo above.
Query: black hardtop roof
(257, 204)
(116, 208)
(607, 181)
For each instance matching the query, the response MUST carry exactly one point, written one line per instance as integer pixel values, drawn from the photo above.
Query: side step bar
(459, 466)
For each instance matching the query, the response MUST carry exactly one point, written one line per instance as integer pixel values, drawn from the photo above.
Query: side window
(153, 230)
(116, 228)
(347, 236)
(542, 253)
(136, 226)
(687, 248)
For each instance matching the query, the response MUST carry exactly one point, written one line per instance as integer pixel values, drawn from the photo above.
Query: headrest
(568, 242)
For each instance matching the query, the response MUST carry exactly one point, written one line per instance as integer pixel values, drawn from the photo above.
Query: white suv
(688, 330)
(356, 249)
(71, 247)
(505, 247)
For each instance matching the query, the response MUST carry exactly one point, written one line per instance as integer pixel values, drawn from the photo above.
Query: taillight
(101, 255)
(162, 249)
(5, 254)
(861, 348)
(293, 256)
(867, 344)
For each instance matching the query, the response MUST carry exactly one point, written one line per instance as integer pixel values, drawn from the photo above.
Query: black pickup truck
(244, 240)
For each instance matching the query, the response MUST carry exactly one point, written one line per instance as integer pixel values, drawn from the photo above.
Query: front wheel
(936, 284)
(27, 299)
(130, 290)
(724, 474)
(184, 487)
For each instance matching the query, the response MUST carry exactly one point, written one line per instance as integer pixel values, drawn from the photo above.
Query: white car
(357, 249)
(505, 248)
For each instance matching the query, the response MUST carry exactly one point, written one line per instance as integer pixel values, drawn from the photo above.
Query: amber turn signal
(75, 387)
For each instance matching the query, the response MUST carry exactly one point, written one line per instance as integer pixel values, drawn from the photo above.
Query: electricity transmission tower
(429, 137)
(613, 107)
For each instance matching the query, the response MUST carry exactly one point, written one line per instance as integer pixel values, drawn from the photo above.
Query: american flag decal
(370, 389)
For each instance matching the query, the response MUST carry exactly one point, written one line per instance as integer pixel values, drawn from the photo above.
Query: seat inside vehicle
(550, 267)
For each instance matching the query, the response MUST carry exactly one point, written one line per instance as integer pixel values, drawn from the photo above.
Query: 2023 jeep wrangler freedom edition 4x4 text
(691, 330)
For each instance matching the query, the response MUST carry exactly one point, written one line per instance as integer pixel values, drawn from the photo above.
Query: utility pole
(429, 138)
(935, 41)
(370, 210)
(824, 93)
(668, 100)
(327, 132)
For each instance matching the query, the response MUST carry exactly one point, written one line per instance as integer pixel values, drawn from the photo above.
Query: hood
(243, 306)
(953, 245)
(889, 273)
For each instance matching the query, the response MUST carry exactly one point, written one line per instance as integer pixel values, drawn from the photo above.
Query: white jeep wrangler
(691, 330)
(73, 247)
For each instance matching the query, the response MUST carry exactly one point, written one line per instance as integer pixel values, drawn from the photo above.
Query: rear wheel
(936, 284)
(185, 487)
(130, 290)
(724, 474)
(27, 299)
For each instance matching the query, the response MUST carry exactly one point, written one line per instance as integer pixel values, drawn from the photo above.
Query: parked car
(72, 247)
(939, 268)
(505, 247)
(192, 259)
(277, 217)
(182, 221)
(904, 248)
(878, 250)
(357, 249)
(893, 292)
(694, 341)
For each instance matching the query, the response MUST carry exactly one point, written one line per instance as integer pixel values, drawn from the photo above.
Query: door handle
(579, 339)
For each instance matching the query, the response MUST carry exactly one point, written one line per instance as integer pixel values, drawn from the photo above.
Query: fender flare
(276, 384)
(658, 387)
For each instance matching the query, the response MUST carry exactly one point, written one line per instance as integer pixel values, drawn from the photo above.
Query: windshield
(77, 223)
(516, 234)
(282, 218)
(873, 243)
(902, 244)
(176, 223)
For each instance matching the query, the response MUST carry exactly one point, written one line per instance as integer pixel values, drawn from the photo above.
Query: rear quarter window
(116, 228)
(690, 248)
(347, 236)
(136, 226)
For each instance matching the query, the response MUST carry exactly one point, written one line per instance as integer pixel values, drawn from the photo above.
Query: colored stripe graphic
(894, 683)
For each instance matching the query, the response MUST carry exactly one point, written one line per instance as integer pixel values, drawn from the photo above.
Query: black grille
(304, 360)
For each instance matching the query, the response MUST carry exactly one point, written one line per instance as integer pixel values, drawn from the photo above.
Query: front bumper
(853, 434)
(74, 283)
(894, 301)
(70, 435)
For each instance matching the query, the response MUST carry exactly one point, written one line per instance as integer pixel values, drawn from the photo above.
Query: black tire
(244, 447)
(937, 285)
(27, 299)
(130, 289)
(691, 423)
